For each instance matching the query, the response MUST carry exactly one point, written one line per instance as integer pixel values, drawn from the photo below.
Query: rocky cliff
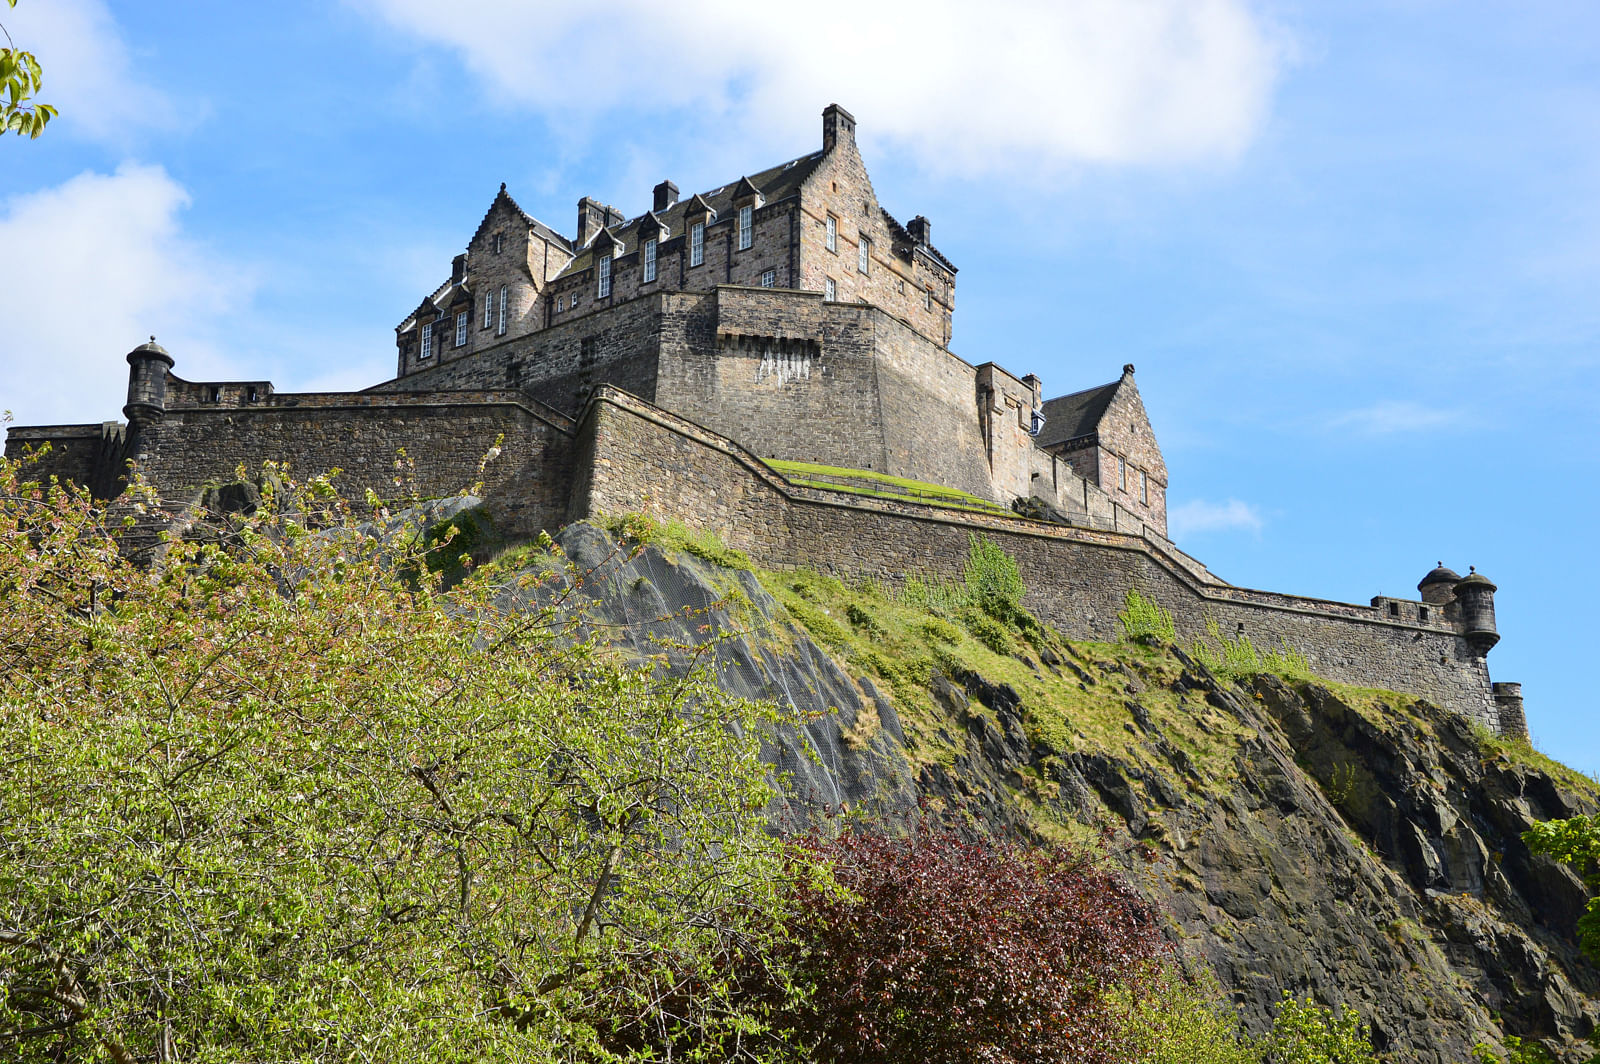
(1361, 846)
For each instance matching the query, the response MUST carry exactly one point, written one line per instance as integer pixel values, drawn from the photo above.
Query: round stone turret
(1513, 718)
(147, 383)
(1475, 601)
(1439, 586)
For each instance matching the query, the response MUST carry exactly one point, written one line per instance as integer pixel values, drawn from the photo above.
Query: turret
(1508, 702)
(1475, 601)
(1439, 586)
(147, 385)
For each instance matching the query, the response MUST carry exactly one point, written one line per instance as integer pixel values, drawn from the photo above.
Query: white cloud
(1390, 416)
(103, 263)
(968, 87)
(1198, 515)
(87, 73)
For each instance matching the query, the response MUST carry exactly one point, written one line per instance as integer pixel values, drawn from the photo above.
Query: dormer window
(697, 244)
(461, 329)
(746, 227)
(603, 277)
(863, 254)
(833, 234)
(500, 322)
(427, 342)
(650, 259)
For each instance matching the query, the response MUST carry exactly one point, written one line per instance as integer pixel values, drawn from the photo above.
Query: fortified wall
(769, 360)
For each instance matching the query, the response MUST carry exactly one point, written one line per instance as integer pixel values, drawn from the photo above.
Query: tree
(1575, 841)
(947, 951)
(273, 796)
(20, 79)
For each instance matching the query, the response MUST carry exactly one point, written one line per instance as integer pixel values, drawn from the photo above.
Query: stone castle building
(769, 360)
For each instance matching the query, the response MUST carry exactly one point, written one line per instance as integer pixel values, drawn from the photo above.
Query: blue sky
(1353, 248)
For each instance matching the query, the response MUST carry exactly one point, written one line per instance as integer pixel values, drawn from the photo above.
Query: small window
(1144, 488)
(650, 259)
(746, 227)
(488, 310)
(572, 301)
(1394, 609)
(697, 244)
(929, 299)
(900, 286)
(427, 343)
(833, 234)
(1122, 474)
(769, 278)
(561, 304)
(863, 254)
(216, 392)
(603, 277)
(252, 395)
(500, 322)
(1422, 613)
(461, 329)
(830, 291)
(499, 243)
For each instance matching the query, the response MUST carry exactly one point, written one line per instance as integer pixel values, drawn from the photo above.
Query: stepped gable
(773, 185)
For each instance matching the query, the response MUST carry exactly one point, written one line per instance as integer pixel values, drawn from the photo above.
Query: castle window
(697, 244)
(561, 304)
(603, 277)
(929, 302)
(1144, 488)
(833, 234)
(1122, 474)
(461, 329)
(488, 310)
(650, 259)
(746, 226)
(863, 254)
(500, 322)
(427, 342)
(769, 278)
(1394, 609)
(252, 395)
(830, 291)
(499, 243)
(216, 394)
(1422, 613)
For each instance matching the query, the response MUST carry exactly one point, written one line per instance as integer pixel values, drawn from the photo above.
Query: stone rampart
(644, 459)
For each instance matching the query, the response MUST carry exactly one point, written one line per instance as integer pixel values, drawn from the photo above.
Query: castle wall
(648, 460)
(446, 438)
(88, 455)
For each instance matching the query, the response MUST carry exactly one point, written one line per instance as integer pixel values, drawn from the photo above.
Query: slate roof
(1072, 417)
(776, 183)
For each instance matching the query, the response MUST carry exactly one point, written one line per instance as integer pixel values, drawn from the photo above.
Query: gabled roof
(745, 189)
(534, 224)
(432, 302)
(775, 183)
(1072, 417)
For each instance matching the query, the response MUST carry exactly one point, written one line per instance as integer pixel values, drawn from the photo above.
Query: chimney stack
(837, 125)
(921, 230)
(666, 196)
(591, 219)
(458, 269)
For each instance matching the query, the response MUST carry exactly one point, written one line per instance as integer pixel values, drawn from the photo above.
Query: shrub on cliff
(274, 799)
(947, 951)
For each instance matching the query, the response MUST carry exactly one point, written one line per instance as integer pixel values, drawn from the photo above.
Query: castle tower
(147, 393)
(1438, 588)
(1475, 600)
(1513, 719)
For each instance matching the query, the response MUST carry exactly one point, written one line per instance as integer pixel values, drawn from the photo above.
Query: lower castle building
(768, 360)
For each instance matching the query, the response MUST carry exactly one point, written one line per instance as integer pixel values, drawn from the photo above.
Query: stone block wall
(444, 436)
(650, 461)
(88, 455)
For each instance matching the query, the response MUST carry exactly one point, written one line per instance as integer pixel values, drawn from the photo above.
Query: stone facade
(766, 333)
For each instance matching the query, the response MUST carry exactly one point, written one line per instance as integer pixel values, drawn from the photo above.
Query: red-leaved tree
(946, 951)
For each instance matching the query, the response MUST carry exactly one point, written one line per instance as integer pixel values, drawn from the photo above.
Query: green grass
(881, 485)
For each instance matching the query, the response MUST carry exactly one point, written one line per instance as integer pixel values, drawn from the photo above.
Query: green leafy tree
(1575, 841)
(20, 79)
(273, 798)
(1304, 1032)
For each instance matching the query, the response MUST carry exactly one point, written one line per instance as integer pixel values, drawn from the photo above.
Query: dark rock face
(1372, 862)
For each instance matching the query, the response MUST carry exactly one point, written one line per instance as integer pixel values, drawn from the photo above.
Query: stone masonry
(658, 363)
